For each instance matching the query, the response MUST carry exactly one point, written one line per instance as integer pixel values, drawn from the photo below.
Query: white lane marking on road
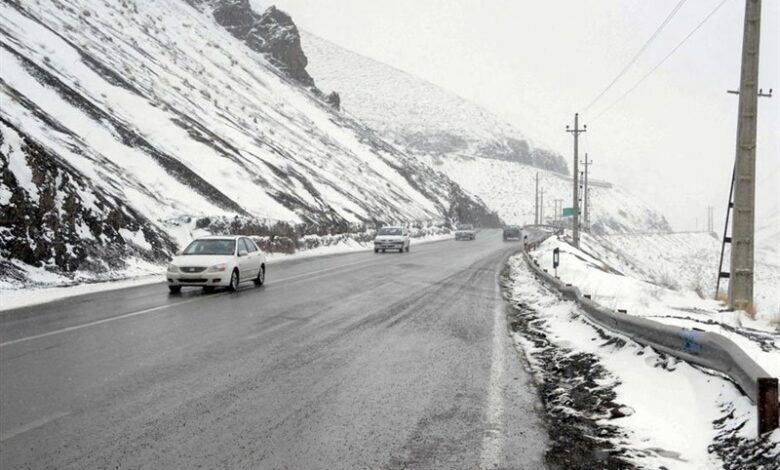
(158, 308)
(99, 322)
(32, 425)
(492, 440)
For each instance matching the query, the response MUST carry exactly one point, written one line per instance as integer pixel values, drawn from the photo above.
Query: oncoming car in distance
(392, 238)
(211, 262)
(513, 232)
(465, 232)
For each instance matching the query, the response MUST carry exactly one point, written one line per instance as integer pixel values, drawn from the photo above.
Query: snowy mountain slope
(768, 234)
(689, 262)
(416, 114)
(509, 187)
(481, 152)
(160, 114)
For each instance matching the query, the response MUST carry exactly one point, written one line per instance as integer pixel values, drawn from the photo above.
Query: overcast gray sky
(535, 63)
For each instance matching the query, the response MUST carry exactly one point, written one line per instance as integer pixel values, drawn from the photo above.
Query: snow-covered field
(611, 282)
(689, 262)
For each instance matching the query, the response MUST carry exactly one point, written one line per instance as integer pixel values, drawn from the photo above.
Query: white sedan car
(211, 262)
(392, 238)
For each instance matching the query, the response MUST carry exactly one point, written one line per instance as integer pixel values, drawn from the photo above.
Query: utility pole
(586, 196)
(575, 226)
(541, 207)
(536, 201)
(743, 225)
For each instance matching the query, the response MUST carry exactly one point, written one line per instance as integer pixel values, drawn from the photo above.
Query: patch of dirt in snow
(576, 392)
(584, 394)
(739, 452)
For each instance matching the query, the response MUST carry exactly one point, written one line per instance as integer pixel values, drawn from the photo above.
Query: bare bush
(666, 280)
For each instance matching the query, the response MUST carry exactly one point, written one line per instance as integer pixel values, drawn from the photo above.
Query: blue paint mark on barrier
(691, 341)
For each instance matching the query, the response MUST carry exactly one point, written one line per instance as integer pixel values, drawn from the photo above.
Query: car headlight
(217, 268)
(172, 268)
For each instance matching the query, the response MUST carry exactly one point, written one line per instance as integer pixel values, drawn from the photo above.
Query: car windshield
(211, 247)
(390, 231)
(465, 227)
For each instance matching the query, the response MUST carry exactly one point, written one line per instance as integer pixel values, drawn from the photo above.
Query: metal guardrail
(703, 348)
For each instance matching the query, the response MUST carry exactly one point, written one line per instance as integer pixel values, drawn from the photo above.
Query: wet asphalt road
(340, 362)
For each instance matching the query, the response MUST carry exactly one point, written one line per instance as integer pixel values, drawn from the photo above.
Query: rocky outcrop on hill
(52, 215)
(420, 117)
(334, 100)
(519, 151)
(272, 33)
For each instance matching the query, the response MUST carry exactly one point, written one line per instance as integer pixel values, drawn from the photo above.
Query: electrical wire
(648, 74)
(639, 53)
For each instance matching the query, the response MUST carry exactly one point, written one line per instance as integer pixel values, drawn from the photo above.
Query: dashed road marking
(32, 425)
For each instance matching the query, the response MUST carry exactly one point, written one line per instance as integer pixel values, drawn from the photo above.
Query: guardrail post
(767, 405)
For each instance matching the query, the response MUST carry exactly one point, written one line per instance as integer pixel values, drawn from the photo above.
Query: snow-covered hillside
(416, 114)
(483, 153)
(124, 123)
(509, 187)
(689, 262)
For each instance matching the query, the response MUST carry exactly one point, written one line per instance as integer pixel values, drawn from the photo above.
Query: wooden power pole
(743, 221)
(575, 225)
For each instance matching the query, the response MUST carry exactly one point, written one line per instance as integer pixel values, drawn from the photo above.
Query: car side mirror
(242, 253)
(178, 253)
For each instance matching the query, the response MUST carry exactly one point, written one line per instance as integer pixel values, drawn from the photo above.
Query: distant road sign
(568, 212)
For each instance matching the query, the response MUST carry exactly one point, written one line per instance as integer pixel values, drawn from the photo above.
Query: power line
(639, 53)
(644, 77)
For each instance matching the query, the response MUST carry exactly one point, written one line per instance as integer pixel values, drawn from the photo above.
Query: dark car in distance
(513, 232)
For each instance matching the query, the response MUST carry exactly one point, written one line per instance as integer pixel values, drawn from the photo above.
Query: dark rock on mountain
(464, 209)
(517, 150)
(272, 33)
(334, 100)
(66, 223)
(437, 143)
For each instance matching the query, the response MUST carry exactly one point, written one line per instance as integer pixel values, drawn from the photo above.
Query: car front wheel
(174, 289)
(233, 286)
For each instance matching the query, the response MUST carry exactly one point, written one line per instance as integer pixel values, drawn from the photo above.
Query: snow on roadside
(652, 411)
(615, 286)
(690, 261)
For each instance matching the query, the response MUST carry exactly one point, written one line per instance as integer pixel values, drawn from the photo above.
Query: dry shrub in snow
(668, 281)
